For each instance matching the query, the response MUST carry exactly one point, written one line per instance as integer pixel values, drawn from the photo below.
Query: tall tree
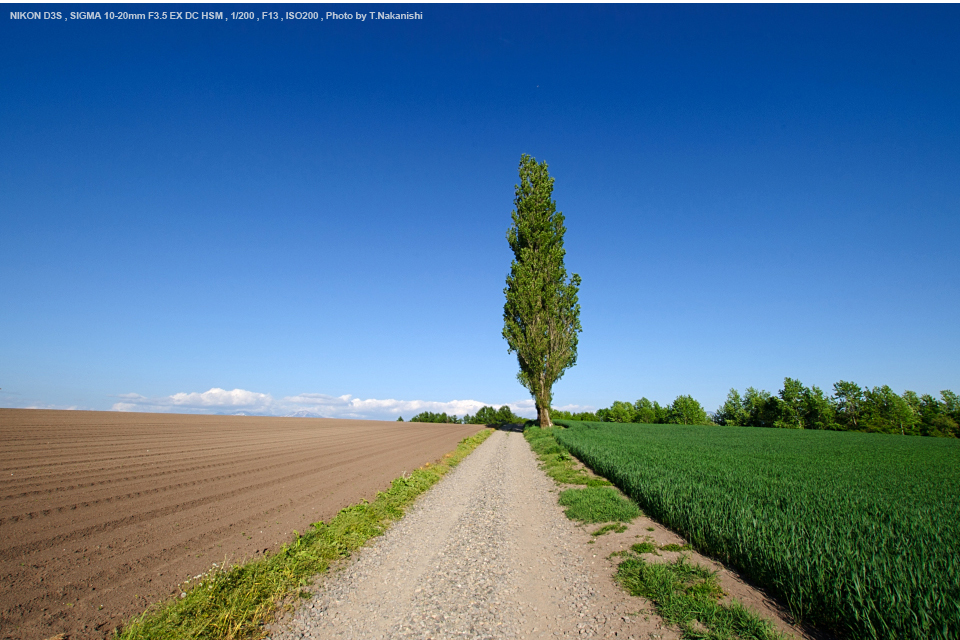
(541, 317)
(849, 400)
(791, 405)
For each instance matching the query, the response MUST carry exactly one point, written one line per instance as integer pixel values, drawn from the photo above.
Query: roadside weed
(644, 547)
(688, 595)
(613, 527)
(556, 461)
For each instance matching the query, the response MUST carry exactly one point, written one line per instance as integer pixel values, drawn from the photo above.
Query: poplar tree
(541, 317)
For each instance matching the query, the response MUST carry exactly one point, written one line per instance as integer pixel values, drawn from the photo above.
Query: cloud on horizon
(238, 401)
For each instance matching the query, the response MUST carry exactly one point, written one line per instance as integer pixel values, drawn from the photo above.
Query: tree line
(796, 406)
(486, 415)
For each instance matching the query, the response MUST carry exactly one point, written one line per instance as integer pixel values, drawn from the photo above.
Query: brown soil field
(103, 513)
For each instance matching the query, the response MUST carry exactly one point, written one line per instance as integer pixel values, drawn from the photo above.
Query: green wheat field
(858, 533)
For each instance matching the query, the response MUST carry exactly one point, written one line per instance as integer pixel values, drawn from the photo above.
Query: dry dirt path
(487, 553)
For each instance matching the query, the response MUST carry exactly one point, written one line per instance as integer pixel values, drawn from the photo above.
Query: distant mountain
(303, 413)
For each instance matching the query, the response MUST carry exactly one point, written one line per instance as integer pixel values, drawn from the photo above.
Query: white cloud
(577, 408)
(218, 400)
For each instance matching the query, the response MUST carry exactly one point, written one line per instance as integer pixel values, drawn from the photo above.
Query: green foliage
(683, 410)
(687, 595)
(235, 602)
(734, 411)
(567, 415)
(646, 412)
(848, 399)
(428, 416)
(686, 410)
(491, 416)
(644, 547)
(613, 527)
(541, 316)
(620, 412)
(850, 408)
(856, 532)
(556, 462)
(597, 504)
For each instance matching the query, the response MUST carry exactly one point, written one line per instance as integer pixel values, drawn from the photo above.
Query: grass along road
(701, 597)
(487, 553)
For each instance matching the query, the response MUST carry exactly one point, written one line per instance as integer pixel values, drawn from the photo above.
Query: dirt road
(103, 513)
(487, 553)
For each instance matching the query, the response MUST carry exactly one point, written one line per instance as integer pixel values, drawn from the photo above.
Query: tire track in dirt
(117, 527)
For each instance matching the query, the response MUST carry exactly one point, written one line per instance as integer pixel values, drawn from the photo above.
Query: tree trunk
(543, 417)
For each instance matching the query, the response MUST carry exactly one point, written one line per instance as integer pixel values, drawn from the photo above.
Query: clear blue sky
(293, 212)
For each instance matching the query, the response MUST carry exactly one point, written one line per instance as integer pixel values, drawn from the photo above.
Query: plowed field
(103, 513)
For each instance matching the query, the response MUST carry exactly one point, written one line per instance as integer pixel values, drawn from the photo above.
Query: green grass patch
(236, 602)
(644, 547)
(688, 596)
(856, 532)
(598, 504)
(613, 527)
(650, 547)
(556, 461)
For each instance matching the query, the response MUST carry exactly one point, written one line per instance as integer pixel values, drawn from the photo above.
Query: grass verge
(237, 602)
(598, 504)
(684, 594)
(557, 462)
(688, 595)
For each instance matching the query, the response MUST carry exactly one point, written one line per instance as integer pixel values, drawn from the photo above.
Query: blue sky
(278, 216)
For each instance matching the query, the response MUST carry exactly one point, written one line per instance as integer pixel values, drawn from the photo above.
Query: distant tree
(848, 398)
(951, 407)
(505, 415)
(686, 410)
(661, 414)
(620, 412)
(400, 419)
(790, 407)
(428, 416)
(644, 412)
(585, 416)
(761, 408)
(541, 316)
(733, 412)
(484, 415)
(818, 410)
(935, 419)
(489, 415)
(886, 412)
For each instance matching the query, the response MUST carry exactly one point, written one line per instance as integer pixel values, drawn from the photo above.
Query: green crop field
(858, 533)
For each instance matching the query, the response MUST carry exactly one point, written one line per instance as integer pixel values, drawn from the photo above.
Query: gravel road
(487, 553)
